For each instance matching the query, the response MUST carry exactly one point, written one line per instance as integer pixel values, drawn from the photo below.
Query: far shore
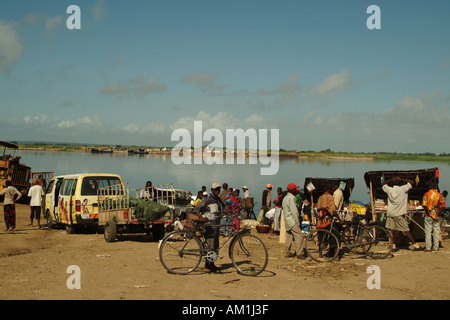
(294, 155)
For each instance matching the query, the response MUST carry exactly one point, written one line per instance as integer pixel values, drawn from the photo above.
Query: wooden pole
(374, 215)
(282, 229)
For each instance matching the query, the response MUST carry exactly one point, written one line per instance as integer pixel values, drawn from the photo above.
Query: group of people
(295, 208)
(433, 202)
(12, 195)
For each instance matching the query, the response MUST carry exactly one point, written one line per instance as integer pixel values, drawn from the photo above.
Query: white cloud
(10, 47)
(205, 82)
(138, 87)
(335, 83)
(223, 121)
(81, 123)
(116, 88)
(99, 10)
(51, 24)
(42, 119)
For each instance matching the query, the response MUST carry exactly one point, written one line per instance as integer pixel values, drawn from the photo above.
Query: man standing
(245, 211)
(338, 197)
(212, 208)
(246, 192)
(35, 193)
(432, 202)
(292, 222)
(326, 201)
(9, 206)
(199, 199)
(397, 208)
(265, 202)
(223, 194)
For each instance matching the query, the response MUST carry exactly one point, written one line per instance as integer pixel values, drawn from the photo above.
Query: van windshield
(90, 185)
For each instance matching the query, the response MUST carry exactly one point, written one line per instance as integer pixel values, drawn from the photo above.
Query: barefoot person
(9, 206)
(397, 192)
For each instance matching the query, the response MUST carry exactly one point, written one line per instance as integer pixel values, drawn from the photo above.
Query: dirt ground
(34, 264)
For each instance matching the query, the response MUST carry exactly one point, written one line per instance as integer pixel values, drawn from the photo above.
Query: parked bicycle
(366, 239)
(182, 251)
(445, 222)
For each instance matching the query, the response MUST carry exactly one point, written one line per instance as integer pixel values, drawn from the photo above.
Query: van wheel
(158, 231)
(110, 231)
(70, 229)
(50, 223)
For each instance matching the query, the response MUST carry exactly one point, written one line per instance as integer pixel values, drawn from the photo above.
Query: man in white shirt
(35, 193)
(9, 205)
(292, 222)
(397, 207)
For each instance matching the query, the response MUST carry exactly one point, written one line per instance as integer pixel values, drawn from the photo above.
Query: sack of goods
(148, 210)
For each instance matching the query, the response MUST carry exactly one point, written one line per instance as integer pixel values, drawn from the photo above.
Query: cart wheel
(158, 231)
(110, 231)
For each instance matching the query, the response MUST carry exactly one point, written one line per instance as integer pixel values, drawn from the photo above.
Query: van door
(65, 205)
(47, 204)
(56, 199)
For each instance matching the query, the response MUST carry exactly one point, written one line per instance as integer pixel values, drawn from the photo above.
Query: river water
(137, 169)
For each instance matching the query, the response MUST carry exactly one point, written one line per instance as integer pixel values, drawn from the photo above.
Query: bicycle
(367, 239)
(181, 251)
(372, 240)
(445, 222)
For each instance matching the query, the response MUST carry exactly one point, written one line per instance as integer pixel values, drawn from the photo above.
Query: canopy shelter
(422, 178)
(8, 145)
(321, 185)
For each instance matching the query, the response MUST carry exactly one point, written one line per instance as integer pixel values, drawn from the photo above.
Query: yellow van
(72, 201)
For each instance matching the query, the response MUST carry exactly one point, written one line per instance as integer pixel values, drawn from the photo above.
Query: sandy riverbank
(34, 265)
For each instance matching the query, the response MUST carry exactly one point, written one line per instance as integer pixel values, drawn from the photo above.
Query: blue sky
(137, 70)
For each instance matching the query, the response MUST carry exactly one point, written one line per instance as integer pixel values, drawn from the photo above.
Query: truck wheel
(50, 223)
(110, 231)
(158, 231)
(71, 229)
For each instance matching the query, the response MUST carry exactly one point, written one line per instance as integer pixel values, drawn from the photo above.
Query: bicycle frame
(234, 236)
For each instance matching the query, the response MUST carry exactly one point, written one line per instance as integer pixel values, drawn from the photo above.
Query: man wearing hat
(265, 202)
(35, 193)
(212, 208)
(292, 222)
(246, 193)
(245, 212)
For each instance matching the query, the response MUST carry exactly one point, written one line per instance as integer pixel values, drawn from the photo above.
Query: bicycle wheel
(377, 242)
(322, 245)
(180, 252)
(249, 255)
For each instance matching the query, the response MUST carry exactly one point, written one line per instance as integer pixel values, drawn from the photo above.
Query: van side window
(50, 187)
(90, 185)
(61, 187)
(66, 187)
(74, 186)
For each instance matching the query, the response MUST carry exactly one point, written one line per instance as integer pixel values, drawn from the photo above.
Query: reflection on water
(159, 168)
